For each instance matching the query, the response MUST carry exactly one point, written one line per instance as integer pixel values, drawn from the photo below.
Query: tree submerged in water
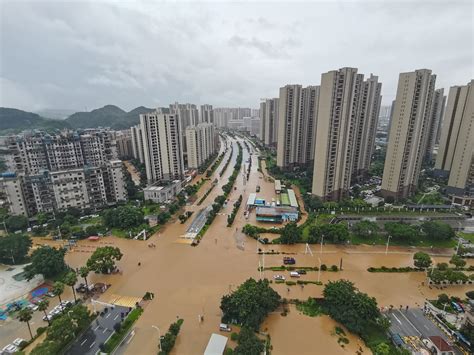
(250, 303)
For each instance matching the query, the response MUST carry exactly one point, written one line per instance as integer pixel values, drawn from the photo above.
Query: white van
(224, 327)
(294, 274)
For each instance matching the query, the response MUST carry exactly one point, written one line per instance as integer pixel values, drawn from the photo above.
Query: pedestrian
(139, 263)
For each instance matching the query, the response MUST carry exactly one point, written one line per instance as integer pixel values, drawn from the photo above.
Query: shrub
(334, 268)
(324, 267)
(234, 336)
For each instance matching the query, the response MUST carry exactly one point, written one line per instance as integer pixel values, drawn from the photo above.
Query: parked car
(9, 349)
(81, 288)
(18, 341)
(279, 277)
(294, 274)
(225, 327)
(50, 294)
(289, 261)
(302, 272)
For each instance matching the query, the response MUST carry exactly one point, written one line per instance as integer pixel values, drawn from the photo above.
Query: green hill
(107, 116)
(13, 120)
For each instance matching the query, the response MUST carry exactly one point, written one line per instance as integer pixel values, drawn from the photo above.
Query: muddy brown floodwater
(189, 281)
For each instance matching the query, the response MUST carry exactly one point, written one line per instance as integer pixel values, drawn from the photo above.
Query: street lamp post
(159, 335)
(388, 242)
(322, 241)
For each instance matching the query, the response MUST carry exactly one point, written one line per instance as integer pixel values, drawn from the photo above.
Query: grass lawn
(119, 233)
(382, 240)
(467, 236)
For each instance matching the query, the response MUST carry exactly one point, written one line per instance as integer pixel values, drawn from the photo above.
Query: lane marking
(116, 316)
(105, 329)
(96, 328)
(398, 320)
(416, 329)
(131, 337)
(90, 347)
(83, 342)
(108, 315)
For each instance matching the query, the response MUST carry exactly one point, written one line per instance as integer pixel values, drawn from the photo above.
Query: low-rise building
(162, 194)
(277, 214)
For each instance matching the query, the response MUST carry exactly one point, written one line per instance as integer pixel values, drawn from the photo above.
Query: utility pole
(319, 269)
(159, 335)
(388, 242)
(322, 241)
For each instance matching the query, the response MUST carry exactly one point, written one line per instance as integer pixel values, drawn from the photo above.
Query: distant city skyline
(74, 55)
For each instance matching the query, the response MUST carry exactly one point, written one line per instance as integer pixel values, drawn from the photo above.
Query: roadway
(413, 323)
(99, 331)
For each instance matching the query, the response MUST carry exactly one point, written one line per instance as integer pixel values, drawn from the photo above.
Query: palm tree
(70, 279)
(43, 306)
(58, 289)
(25, 315)
(84, 272)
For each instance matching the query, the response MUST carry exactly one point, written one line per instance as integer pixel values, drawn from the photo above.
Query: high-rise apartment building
(200, 141)
(54, 172)
(366, 126)
(36, 152)
(163, 148)
(408, 133)
(124, 144)
(347, 119)
(456, 150)
(138, 151)
(437, 112)
(188, 115)
(297, 117)
(207, 114)
(269, 122)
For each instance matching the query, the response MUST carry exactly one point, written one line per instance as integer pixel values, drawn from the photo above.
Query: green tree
(62, 330)
(250, 303)
(336, 233)
(81, 317)
(47, 261)
(382, 349)
(457, 261)
(47, 347)
(84, 272)
(354, 309)
(442, 266)
(437, 230)
(401, 232)
(70, 279)
(103, 259)
(15, 223)
(58, 289)
(365, 229)
(25, 316)
(290, 234)
(248, 343)
(14, 248)
(443, 298)
(123, 217)
(43, 306)
(470, 295)
(422, 260)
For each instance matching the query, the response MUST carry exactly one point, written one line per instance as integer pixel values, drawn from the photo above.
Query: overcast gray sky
(77, 54)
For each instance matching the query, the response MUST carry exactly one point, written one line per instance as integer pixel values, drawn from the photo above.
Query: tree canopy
(123, 217)
(354, 309)
(365, 229)
(47, 261)
(250, 303)
(401, 231)
(437, 230)
(248, 343)
(103, 259)
(422, 260)
(15, 223)
(14, 248)
(290, 234)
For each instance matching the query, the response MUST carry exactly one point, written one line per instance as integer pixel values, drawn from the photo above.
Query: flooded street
(189, 281)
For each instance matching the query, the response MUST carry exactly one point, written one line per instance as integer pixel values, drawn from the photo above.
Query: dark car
(289, 261)
(302, 272)
(81, 288)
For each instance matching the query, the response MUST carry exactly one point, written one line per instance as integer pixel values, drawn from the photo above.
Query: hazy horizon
(74, 55)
